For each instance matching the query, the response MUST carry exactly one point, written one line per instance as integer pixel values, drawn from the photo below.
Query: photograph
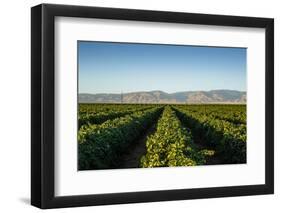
(160, 105)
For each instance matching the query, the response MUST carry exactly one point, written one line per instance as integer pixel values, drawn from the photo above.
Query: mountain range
(212, 96)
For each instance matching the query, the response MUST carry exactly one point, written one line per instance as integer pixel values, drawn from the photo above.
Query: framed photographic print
(140, 106)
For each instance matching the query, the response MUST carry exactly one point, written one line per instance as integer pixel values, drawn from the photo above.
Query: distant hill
(213, 96)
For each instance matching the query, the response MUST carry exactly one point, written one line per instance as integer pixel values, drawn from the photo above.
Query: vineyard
(154, 135)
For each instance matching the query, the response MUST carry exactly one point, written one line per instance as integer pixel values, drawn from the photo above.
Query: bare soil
(131, 159)
(212, 160)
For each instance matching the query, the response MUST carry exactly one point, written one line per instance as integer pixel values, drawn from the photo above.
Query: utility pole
(121, 97)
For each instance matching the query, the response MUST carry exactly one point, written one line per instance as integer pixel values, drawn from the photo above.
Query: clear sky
(106, 67)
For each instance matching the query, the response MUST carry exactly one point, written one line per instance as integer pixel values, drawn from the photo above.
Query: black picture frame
(43, 117)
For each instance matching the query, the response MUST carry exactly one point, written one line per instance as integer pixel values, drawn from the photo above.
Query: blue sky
(106, 67)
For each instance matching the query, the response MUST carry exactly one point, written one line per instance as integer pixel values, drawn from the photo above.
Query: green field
(158, 135)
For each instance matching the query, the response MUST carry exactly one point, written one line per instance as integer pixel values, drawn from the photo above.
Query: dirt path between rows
(213, 160)
(131, 159)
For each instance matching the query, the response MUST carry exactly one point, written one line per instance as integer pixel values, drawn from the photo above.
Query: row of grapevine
(232, 117)
(228, 138)
(232, 113)
(100, 146)
(100, 117)
(171, 144)
(97, 108)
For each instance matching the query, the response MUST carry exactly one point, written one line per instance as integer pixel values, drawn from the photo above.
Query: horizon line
(161, 91)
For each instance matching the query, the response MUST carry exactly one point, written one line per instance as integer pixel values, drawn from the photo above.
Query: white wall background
(15, 105)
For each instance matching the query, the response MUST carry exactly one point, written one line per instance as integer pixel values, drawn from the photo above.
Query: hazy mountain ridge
(212, 96)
